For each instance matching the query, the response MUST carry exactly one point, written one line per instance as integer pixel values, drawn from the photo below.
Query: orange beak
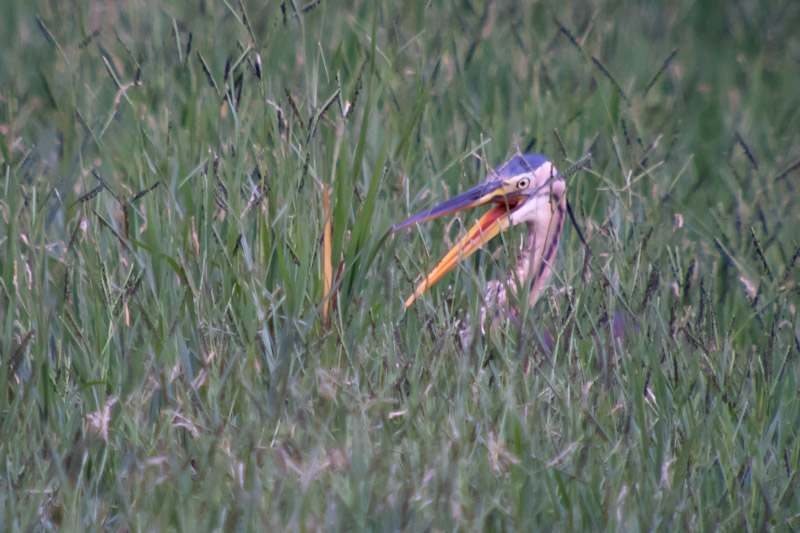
(484, 230)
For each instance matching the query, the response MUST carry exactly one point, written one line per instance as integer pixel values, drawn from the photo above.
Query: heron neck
(535, 262)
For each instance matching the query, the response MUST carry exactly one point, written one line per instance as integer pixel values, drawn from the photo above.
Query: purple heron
(527, 189)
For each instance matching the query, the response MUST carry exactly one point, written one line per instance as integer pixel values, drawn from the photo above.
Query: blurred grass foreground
(165, 266)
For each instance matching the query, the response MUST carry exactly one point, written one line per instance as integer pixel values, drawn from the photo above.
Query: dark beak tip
(403, 225)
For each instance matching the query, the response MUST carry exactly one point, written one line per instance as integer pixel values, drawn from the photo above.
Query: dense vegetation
(165, 359)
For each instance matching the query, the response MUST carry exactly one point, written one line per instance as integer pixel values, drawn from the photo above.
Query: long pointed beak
(484, 230)
(482, 194)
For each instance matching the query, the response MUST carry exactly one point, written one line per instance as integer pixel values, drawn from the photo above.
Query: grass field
(165, 359)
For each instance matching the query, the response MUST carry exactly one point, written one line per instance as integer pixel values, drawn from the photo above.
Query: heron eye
(522, 184)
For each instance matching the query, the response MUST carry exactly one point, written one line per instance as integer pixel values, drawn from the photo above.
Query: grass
(164, 359)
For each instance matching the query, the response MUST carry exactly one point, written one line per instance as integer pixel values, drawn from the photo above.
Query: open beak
(484, 230)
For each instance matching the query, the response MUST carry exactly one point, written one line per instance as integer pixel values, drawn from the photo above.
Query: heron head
(523, 190)
(543, 189)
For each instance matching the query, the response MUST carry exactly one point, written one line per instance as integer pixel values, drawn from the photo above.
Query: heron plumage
(525, 189)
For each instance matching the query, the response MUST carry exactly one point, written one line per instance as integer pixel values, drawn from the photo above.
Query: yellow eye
(523, 183)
